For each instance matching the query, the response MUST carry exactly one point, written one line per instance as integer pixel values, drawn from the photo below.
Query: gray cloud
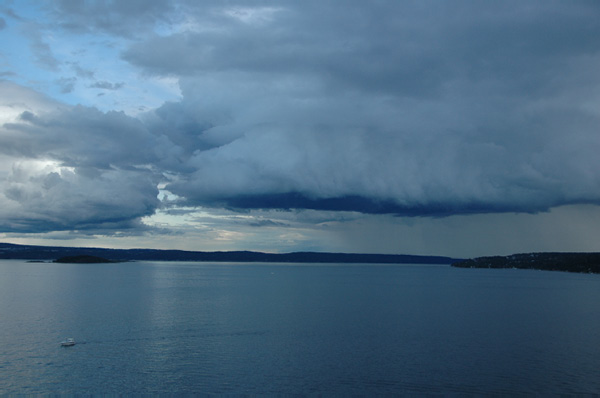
(73, 168)
(48, 201)
(125, 18)
(82, 72)
(82, 137)
(407, 108)
(67, 84)
(2, 23)
(41, 50)
(107, 85)
(407, 48)
(9, 12)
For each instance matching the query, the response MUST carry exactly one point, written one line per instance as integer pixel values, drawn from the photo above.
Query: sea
(296, 329)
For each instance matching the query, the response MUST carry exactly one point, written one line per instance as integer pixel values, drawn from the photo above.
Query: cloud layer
(409, 108)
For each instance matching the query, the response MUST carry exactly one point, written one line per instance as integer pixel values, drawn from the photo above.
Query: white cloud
(66, 168)
(15, 99)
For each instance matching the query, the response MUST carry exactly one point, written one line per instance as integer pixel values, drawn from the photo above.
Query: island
(568, 262)
(83, 259)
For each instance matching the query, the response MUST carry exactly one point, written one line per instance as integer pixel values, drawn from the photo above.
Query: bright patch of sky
(76, 69)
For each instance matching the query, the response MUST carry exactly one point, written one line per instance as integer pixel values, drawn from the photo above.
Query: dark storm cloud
(407, 48)
(412, 108)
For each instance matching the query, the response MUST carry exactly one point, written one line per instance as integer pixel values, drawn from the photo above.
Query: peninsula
(569, 262)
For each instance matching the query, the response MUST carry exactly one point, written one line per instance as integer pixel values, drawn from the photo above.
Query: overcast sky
(458, 128)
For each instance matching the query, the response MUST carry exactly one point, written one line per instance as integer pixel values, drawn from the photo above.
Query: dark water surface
(152, 327)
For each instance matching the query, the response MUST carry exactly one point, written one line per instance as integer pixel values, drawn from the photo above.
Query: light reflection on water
(264, 328)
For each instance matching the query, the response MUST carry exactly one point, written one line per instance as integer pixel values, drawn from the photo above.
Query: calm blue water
(302, 329)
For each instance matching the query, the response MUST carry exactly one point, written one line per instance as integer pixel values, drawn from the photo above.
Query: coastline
(588, 263)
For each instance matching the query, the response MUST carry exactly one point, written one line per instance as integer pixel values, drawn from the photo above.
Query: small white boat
(68, 342)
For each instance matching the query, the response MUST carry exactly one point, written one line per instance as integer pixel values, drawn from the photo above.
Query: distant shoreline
(588, 263)
(567, 262)
(52, 253)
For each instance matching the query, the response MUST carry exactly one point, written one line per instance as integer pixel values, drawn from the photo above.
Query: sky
(462, 128)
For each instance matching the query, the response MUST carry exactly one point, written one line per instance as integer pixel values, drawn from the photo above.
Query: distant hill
(569, 262)
(29, 252)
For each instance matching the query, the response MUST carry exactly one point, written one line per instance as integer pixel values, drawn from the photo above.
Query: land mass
(569, 262)
(83, 259)
(30, 252)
